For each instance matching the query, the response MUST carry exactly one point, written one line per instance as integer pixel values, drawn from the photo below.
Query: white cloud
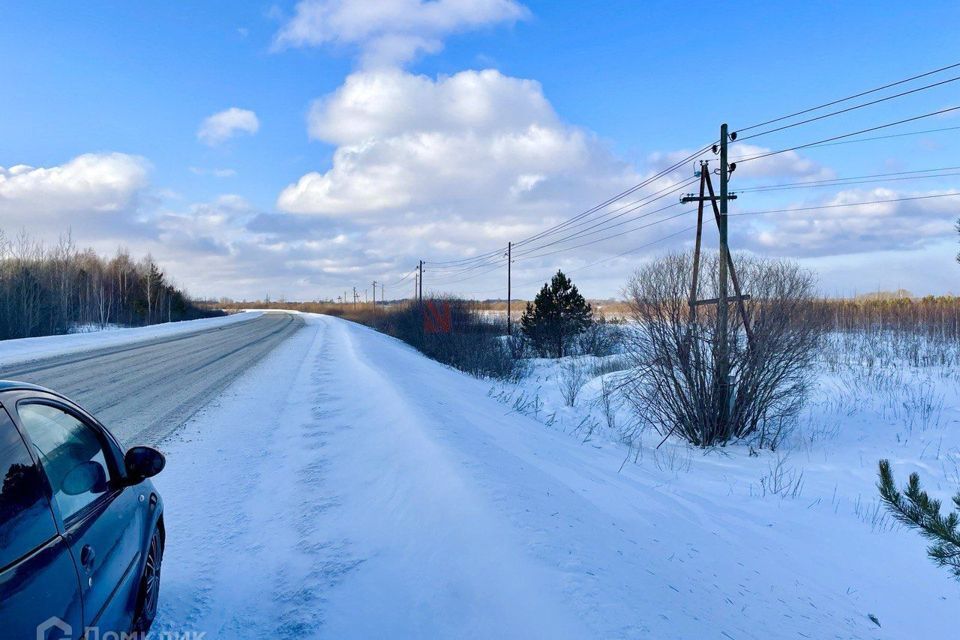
(389, 32)
(222, 126)
(881, 226)
(91, 183)
(217, 173)
(472, 145)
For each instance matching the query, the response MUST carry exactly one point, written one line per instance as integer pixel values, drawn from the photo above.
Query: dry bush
(676, 386)
(573, 375)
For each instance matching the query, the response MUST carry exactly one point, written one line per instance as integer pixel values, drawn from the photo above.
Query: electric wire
(850, 97)
(876, 177)
(845, 204)
(847, 109)
(845, 135)
(605, 223)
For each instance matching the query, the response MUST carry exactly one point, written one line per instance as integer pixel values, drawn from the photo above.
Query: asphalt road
(143, 391)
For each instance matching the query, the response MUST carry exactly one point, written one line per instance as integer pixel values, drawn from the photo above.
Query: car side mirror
(86, 477)
(142, 463)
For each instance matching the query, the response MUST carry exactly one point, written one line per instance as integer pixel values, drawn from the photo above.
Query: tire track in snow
(439, 560)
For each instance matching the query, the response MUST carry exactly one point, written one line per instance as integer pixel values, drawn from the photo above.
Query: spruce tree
(557, 315)
(916, 509)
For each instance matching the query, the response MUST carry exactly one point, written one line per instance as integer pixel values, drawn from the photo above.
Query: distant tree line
(47, 290)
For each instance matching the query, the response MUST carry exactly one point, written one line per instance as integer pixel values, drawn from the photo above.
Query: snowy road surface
(348, 487)
(144, 390)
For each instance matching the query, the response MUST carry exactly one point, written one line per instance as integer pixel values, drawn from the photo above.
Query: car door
(102, 523)
(39, 587)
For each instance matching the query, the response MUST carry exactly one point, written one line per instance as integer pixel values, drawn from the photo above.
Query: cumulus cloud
(858, 228)
(222, 126)
(93, 183)
(390, 32)
(470, 145)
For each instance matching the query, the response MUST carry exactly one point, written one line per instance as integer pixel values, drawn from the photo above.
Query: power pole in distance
(509, 282)
(420, 292)
(355, 297)
(374, 295)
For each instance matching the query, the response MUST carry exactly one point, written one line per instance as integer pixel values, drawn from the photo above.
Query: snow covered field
(347, 487)
(26, 349)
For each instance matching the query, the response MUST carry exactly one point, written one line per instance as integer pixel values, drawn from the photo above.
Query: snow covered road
(348, 487)
(144, 383)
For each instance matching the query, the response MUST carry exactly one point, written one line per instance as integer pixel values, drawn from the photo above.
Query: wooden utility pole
(355, 297)
(374, 295)
(420, 279)
(722, 344)
(723, 348)
(509, 292)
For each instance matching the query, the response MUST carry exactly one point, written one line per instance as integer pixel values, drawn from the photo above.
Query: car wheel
(149, 593)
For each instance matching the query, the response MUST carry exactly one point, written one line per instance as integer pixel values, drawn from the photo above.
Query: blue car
(81, 526)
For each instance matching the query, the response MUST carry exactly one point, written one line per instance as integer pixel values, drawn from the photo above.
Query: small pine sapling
(916, 509)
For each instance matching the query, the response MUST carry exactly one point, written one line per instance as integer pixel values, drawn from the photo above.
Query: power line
(602, 260)
(605, 223)
(615, 235)
(886, 137)
(633, 189)
(846, 135)
(624, 209)
(623, 222)
(845, 204)
(879, 177)
(851, 97)
(848, 109)
(485, 258)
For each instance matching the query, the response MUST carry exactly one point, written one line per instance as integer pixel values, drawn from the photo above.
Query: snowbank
(348, 487)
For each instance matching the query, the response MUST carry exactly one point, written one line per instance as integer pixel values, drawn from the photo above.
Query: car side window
(25, 519)
(71, 455)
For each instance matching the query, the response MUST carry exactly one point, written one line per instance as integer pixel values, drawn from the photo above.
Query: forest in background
(48, 290)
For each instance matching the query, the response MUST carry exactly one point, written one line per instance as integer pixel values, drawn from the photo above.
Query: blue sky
(396, 161)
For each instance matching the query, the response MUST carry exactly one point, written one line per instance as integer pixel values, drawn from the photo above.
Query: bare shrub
(676, 381)
(781, 480)
(608, 401)
(601, 339)
(572, 377)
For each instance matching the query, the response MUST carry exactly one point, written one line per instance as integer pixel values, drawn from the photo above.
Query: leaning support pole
(696, 247)
(733, 273)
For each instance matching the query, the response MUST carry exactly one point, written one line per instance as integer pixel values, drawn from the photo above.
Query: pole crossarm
(694, 198)
(737, 298)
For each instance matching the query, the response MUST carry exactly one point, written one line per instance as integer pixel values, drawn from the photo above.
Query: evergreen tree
(557, 315)
(917, 509)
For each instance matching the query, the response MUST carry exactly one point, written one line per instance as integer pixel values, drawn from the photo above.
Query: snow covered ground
(348, 487)
(26, 349)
